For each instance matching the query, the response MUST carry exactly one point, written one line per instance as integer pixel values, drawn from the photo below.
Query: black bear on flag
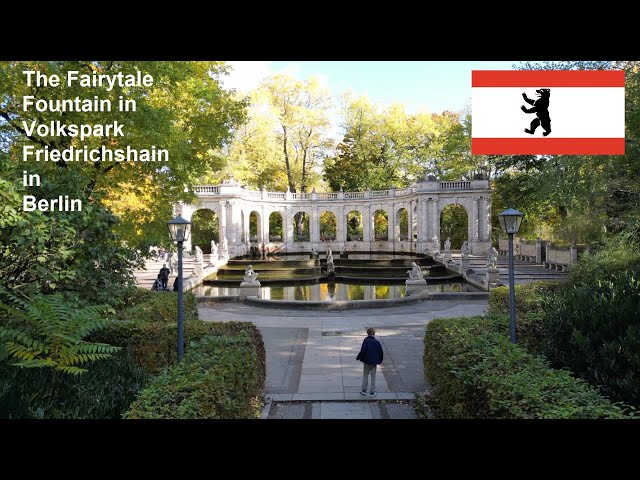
(541, 109)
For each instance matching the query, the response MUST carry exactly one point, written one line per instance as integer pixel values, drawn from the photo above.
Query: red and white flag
(547, 112)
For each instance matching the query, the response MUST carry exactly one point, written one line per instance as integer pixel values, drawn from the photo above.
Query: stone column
(314, 226)
(474, 220)
(223, 220)
(487, 217)
(234, 228)
(366, 224)
(265, 225)
(286, 220)
(391, 228)
(341, 223)
(435, 219)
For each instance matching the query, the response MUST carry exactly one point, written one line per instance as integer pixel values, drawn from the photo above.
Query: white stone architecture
(236, 206)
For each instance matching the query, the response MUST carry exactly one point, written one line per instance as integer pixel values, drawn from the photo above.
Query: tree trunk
(292, 185)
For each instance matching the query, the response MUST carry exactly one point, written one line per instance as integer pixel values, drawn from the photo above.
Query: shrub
(160, 307)
(478, 373)
(105, 391)
(220, 377)
(530, 301)
(593, 324)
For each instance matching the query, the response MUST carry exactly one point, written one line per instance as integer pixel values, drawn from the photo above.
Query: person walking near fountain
(371, 356)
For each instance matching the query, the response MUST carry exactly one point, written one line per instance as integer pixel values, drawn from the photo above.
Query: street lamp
(179, 229)
(510, 221)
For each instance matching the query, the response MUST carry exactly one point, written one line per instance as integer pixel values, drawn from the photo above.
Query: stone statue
(214, 250)
(250, 275)
(436, 243)
(492, 259)
(199, 257)
(225, 245)
(415, 273)
(447, 245)
(331, 268)
(465, 249)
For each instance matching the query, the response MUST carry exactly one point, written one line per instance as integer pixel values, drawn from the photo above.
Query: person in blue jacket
(371, 355)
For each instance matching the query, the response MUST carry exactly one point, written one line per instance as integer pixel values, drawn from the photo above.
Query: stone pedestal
(492, 278)
(249, 289)
(464, 264)
(414, 287)
(224, 254)
(447, 256)
(197, 270)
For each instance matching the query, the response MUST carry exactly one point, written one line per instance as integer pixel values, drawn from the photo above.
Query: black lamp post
(510, 221)
(179, 228)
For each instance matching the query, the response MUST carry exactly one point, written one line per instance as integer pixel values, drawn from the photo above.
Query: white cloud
(245, 76)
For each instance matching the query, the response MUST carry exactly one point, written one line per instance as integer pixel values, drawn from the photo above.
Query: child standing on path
(371, 355)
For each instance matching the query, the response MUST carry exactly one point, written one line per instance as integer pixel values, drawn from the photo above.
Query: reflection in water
(332, 291)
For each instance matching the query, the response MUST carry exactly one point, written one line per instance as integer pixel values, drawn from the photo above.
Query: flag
(547, 112)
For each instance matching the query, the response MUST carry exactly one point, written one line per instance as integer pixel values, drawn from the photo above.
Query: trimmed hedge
(150, 306)
(478, 373)
(220, 377)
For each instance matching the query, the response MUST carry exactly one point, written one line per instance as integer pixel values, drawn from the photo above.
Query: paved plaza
(311, 355)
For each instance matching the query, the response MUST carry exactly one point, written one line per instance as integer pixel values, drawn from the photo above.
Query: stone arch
(328, 226)
(301, 226)
(454, 223)
(355, 226)
(255, 227)
(380, 225)
(205, 226)
(402, 224)
(276, 227)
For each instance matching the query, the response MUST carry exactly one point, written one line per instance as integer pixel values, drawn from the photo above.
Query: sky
(421, 86)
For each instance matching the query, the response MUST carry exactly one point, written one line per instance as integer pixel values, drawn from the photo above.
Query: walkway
(311, 356)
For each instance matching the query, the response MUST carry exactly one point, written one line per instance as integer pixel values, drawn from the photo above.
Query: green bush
(592, 325)
(478, 373)
(530, 313)
(220, 377)
(160, 307)
(105, 391)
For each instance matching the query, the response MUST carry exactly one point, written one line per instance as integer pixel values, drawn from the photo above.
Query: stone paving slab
(337, 410)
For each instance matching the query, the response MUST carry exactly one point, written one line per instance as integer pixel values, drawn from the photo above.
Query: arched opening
(275, 227)
(205, 227)
(380, 225)
(355, 226)
(454, 224)
(301, 232)
(402, 225)
(414, 224)
(255, 228)
(328, 226)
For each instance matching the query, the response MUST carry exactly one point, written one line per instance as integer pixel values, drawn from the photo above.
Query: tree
(185, 111)
(385, 148)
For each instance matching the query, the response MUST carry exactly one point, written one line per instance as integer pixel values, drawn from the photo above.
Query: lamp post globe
(510, 221)
(179, 229)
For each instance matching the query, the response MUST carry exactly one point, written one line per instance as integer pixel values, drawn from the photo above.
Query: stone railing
(454, 185)
(558, 258)
(379, 194)
(327, 196)
(503, 246)
(231, 188)
(207, 190)
(353, 195)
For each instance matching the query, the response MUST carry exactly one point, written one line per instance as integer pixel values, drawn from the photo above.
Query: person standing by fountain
(371, 356)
